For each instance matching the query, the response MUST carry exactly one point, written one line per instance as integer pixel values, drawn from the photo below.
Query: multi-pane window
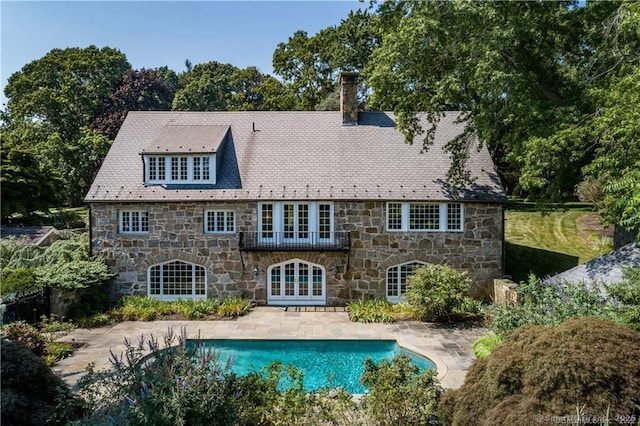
(394, 216)
(266, 221)
(454, 217)
(177, 279)
(420, 217)
(311, 222)
(397, 279)
(157, 168)
(180, 169)
(201, 169)
(220, 221)
(134, 222)
(424, 217)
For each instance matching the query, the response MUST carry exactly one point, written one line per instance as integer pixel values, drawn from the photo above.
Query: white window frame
(161, 287)
(399, 296)
(141, 219)
(298, 297)
(229, 225)
(405, 219)
(161, 165)
(313, 222)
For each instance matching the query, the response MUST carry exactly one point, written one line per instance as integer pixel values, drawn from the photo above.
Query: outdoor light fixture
(255, 270)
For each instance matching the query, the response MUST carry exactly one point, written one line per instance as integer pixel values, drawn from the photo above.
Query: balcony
(295, 241)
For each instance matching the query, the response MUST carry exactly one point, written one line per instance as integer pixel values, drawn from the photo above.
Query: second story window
(181, 169)
(134, 222)
(220, 221)
(296, 221)
(424, 217)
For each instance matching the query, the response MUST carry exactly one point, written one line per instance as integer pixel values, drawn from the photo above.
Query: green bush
(626, 297)
(586, 363)
(25, 334)
(484, 345)
(18, 281)
(399, 393)
(196, 309)
(234, 307)
(548, 303)
(57, 351)
(439, 292)
(31, 393)
(174, 384)
(371, 310)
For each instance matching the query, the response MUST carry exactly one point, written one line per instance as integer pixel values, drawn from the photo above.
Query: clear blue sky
(157, 33)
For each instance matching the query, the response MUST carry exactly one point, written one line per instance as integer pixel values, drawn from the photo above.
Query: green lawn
(544, 243)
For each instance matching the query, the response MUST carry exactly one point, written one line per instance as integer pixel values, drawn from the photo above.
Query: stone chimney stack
(349, 98)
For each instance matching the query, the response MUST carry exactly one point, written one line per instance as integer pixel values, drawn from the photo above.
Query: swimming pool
(340, 360)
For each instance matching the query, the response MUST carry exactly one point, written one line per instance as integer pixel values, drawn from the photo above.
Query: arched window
(177, 280)
(397, 279)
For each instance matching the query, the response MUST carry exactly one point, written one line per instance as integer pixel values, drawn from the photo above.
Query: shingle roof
(183, 139)
(297, 156)
(608, 268)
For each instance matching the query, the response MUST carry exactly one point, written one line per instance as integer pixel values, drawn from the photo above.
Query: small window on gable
(220, 221)
(134, 222)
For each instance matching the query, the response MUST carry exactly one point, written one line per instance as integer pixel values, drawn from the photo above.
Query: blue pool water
(339, 360)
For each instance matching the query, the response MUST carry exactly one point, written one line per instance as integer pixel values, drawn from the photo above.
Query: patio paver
(448, 345)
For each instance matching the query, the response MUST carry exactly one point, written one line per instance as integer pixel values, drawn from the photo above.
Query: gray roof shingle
(295, 156)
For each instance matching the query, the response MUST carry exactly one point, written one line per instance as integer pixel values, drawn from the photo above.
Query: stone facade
(176, 232)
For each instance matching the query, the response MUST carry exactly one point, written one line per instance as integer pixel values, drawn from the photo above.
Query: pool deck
(448, 345)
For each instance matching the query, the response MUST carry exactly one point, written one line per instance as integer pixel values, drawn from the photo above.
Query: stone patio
(448, 345)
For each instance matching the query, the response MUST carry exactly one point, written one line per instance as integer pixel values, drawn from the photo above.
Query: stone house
(289, 208)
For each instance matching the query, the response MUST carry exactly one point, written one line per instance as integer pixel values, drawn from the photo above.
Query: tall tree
(27, 183)
(62, 92)
(516, 69)
(139, 90)
(310, 65)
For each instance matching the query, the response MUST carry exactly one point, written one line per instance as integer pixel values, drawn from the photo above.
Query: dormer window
(178, 169)
(184, 154)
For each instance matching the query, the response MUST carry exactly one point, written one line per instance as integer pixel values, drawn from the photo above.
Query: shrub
(371, 310)
(196, 309)
(234, 307)
(57, 351)
(484, 345)
(399, 393)
(626, 296)
(26, 335)
(31, 393)
(18, 281)
(439, 292)
(547, 303)
(541, 370)
(174, 384)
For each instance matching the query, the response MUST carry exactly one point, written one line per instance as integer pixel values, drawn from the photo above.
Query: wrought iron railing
(295, 241)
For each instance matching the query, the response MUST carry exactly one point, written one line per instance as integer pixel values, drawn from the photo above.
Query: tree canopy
(551, 88)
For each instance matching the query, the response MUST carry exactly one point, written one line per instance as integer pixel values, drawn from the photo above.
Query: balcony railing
(295, 241)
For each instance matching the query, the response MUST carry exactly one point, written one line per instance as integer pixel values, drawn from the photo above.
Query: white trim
(140, 222)
(172, 297)
(297, 298)
(442, 217)
(190, 169)
(400, 296)
(313, 221)
(226, 212)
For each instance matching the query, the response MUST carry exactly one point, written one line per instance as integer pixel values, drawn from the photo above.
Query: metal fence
(295, 241)
(27, 307)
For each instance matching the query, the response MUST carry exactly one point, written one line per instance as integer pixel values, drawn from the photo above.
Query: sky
(157, 33)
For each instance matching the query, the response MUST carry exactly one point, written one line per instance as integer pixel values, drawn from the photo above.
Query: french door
(296, 282)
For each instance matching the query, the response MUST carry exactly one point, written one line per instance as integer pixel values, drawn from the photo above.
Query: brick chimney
(349, 98)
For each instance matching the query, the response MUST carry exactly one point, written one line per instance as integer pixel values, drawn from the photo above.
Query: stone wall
(176, 232)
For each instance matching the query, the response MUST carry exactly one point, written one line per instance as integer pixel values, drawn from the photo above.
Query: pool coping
(448, 346)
